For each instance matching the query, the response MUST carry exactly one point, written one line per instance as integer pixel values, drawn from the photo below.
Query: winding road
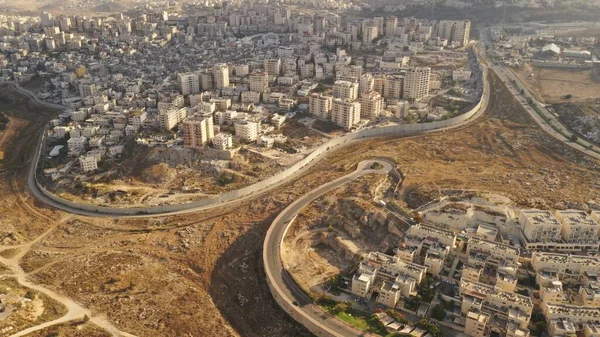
(283, 288)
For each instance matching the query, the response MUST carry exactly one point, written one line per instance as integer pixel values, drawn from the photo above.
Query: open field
(554, 84)
(201, 274)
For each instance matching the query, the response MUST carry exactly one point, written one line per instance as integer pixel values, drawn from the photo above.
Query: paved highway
(548, 122)
(283, 288)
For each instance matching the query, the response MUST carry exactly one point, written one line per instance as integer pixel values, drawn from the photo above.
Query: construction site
(201, 274)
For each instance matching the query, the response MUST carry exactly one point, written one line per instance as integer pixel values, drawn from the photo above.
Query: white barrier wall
(395, 130)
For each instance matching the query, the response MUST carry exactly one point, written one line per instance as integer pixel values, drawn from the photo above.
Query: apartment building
(495, 252)
(259, 82)
(590, 295)
(396, 278)
(476, 323)
(391, 26)
(565, 267)
(456, 32)
(222, 141)
(578, 227)
(572, 313)
(273, 66)
(370, 105)
(552, 292)
(393, 87)
(137, 117)
(241, 70)
(189, 83)
(416, 83)
(369, 33)
(247, 130)
(568, 231)
(480, 297)
(345, 113)
(88, 163)
(172, 117)
(220, 75)
(539, 227)
(320, 105)
(87, 88)
(433, 234)
(366, 83)
(198, 130)
(471, 272)
(345, 90)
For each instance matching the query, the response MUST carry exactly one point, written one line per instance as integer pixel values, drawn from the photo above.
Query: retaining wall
(395, 130)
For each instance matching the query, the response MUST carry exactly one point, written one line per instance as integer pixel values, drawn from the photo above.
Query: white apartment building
(416, 83)
(221, 75)
(566, 267)
(259, 82)
(198, 130)
(222, 141)
(345, 90)
(172, 117)
(495, 252)
(88, 163)
(320, 105)
(345, 113)
(247, 130)
(539, 227)
(573, 313)
(513, 307)
(424, 232)
(370, 105)
(189, 83)
(578, 227)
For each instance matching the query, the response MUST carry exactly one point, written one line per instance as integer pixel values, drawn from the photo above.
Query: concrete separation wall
(317, 154)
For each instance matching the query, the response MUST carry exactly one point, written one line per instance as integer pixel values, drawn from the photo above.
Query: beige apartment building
(424, 232)
(417, 83)
(258, 82)
(370, 105)
(565, 267)
(320, 105)
(198, 130)
(345, 90)
(273, 66)
(345, 113)
(221, 75)
(495, 252)
(476, 323)
(481, 297)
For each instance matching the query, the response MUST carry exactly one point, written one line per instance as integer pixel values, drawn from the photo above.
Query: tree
(567, 96)
(540, 328)
(574, 138)
(340, 307)
(522, 91)
(438, 313)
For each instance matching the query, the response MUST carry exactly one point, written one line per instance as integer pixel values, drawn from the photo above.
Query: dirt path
(74, 310)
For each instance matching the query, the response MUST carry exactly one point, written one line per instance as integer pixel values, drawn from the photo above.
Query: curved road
(283, 288)
(115, 212)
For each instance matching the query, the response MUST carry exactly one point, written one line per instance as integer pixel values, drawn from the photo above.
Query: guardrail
(318, 153)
